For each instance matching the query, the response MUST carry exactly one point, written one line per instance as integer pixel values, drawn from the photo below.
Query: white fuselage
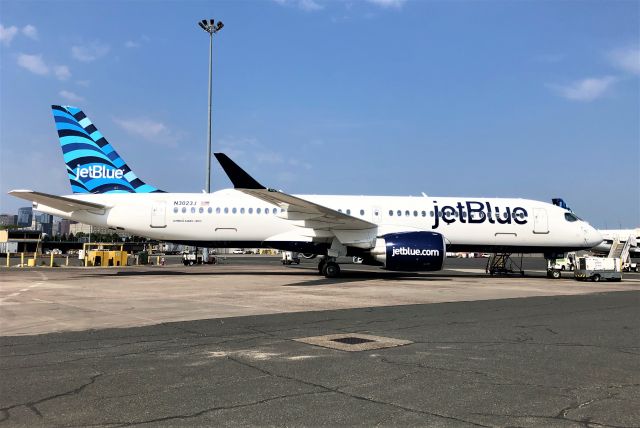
(228, 216)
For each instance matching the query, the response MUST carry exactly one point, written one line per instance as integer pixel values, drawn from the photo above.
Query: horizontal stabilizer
(61, 203)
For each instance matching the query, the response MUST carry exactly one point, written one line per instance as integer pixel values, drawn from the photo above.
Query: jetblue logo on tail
(98, 171)
(93, 165)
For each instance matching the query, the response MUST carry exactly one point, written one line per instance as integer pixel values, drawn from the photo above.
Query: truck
(190, 258)
(598, 268)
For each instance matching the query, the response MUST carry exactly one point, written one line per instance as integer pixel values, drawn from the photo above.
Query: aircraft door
(158, 215)
(540, 221)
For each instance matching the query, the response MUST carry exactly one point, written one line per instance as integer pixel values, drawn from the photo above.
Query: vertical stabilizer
(93, 165)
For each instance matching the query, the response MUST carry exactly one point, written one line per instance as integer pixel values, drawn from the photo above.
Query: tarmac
(236, 345)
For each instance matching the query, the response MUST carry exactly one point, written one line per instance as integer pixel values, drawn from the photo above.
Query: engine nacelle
(411, 251)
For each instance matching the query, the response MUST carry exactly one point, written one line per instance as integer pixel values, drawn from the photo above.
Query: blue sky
(391, 97)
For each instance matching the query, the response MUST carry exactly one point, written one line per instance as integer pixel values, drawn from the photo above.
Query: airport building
(25, 216)
(8, 219)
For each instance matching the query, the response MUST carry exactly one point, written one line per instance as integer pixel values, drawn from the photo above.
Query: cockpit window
(570, 217)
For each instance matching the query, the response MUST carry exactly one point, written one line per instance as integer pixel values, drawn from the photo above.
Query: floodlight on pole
(211, 28)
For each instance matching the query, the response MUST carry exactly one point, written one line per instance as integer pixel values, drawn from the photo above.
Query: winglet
(237, 175)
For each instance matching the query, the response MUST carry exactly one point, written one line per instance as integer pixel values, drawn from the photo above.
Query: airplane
(393, 232)
(610, 235)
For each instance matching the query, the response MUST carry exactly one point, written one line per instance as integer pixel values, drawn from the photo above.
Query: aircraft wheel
(321, 267)
(331, 270)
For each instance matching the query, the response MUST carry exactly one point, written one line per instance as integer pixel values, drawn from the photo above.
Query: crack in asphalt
(205, 411)
(354, 396)
(32, 405)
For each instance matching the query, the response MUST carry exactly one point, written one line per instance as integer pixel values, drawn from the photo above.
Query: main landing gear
(328, 267)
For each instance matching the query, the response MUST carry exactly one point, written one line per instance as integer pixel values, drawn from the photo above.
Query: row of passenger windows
(398, 213)
(228, 210)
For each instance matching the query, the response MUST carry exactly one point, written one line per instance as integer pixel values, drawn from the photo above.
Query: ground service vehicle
(598, 268)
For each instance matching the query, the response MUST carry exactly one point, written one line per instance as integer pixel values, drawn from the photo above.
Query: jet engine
(410, 251)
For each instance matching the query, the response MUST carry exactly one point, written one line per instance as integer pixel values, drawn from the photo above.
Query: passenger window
(424, 213)
(274, 211)
(361, 212)
(175, 210)
(217, 210)
(193, 210)
(399, 213)
(266, 210)
(250, 210)
(226, 210)
(241, 210)
(184, 210)
(234, 210)
(209, 210)
(390, 213)
(349, 212)
(431, 214)
(200, 210)
(339, 210)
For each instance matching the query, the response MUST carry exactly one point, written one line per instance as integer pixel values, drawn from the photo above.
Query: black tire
(596, 278)
(555, 274)
(185, 263)
(331, 270)
(190, 262)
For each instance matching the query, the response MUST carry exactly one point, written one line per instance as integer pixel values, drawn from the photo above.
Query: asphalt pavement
(538, 361)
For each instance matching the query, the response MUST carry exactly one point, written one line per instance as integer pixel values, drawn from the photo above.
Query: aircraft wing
(310, 214)
(61, 203)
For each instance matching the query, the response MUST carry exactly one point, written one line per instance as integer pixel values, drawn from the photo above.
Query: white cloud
(309, 5)
(627, 59)
(397, 4)
(149, 130)
(84, 83)
(306, 5)
(36, 65)
(586, 89)
(131, 44)
(7, 34)
(33, 63)
(89, 52)
(61, 72)
(70, 96)
(30, 31)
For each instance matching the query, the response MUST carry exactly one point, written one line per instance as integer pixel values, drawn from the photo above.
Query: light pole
(212, 28)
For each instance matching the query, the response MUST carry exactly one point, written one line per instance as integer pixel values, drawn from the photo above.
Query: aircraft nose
(592, 236)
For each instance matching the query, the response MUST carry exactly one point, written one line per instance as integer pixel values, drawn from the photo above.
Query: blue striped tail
(93, 165)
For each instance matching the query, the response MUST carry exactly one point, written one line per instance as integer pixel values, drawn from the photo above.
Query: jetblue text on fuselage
(406, 251)
(475, 212)
(98, 171)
